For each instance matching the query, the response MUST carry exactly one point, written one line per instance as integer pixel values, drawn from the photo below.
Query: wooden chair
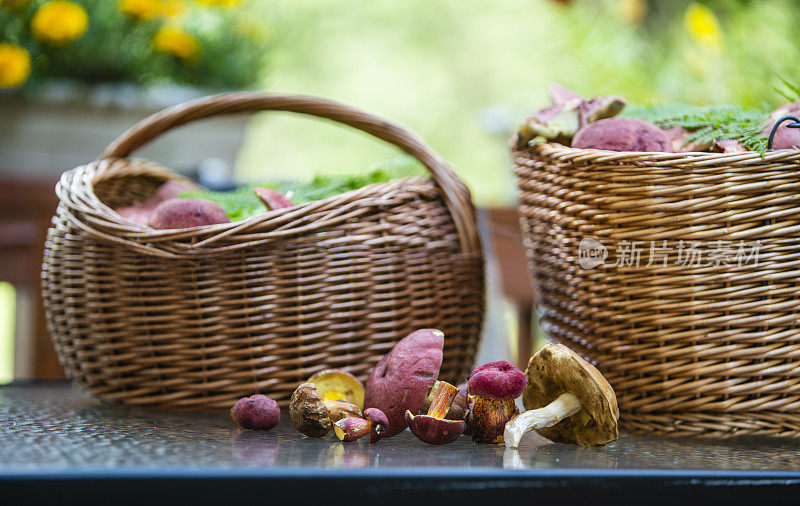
(26, 206)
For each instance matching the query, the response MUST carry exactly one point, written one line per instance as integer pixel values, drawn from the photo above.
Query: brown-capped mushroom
(313, 416)
(342, 409)
(434, 428)
(567, 399)
(308, 411)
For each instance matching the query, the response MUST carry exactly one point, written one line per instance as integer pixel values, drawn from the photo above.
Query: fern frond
(709, 123)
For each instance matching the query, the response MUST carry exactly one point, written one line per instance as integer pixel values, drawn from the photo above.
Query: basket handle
(455, 193)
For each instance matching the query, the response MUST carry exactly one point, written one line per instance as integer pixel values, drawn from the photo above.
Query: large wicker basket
(693, 348)
(197, 318)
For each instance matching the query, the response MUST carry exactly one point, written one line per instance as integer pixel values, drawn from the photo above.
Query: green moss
(242, 203)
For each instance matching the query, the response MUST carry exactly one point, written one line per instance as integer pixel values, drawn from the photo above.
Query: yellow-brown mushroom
(567, 399)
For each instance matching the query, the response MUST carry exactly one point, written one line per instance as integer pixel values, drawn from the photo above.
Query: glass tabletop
(47, 427)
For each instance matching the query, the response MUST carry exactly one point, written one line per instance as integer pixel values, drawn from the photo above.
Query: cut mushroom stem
(442, 398)
(564, 406)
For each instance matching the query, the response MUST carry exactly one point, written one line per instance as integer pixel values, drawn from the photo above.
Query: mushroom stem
(442, 398)
(487, 418)
(564, 406)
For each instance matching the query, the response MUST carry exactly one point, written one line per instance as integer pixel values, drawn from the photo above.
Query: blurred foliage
(465, 73)
(243, 203)
(204, 44)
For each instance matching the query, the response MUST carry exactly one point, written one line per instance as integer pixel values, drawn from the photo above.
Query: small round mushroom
(568, 401)
(494, 386)
(434, 428)
(257, 412)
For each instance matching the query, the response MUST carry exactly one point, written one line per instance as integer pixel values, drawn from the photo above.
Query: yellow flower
(703, 27)
(176, 42)
(219, 3)
(172, 8)
(59, 22)
(15, 65)
(141, 9)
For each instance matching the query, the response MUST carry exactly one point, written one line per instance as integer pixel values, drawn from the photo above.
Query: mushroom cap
(622, 134)
(402, 378)
(555, 370)
(500, 380)
(308, 411)
(435, 431)
(785, 137)
(257, 412)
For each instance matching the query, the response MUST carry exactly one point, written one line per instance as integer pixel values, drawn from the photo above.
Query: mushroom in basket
(567, 399)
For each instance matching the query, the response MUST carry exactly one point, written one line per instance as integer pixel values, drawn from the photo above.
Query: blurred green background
(465, 73)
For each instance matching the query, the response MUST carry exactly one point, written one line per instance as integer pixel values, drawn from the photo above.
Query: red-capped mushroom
(402, 378)
(492, 390)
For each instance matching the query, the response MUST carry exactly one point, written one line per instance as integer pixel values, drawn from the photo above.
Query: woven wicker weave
(197, 318)
(691, 350)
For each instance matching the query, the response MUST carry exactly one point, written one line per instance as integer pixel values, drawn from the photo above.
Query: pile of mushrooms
(567, 400)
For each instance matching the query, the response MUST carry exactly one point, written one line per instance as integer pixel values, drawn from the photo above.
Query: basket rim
(75, 191)
(656, 158)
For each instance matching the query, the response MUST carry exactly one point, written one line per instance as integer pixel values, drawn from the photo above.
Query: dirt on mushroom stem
(487, 418)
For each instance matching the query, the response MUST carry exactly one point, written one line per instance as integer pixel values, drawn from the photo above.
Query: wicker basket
(694, 345)
(197, 318)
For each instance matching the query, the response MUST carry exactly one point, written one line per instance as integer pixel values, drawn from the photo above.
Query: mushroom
(380, 424)
(272, 199)
(433, 428)
(400, 381)
(312, 415)
(337, 384)
(257, 412)
(785, 137)
(308, 411)
(352, 428)
(569, 113)
(568, 401)
(622, 134)
(492, 389)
